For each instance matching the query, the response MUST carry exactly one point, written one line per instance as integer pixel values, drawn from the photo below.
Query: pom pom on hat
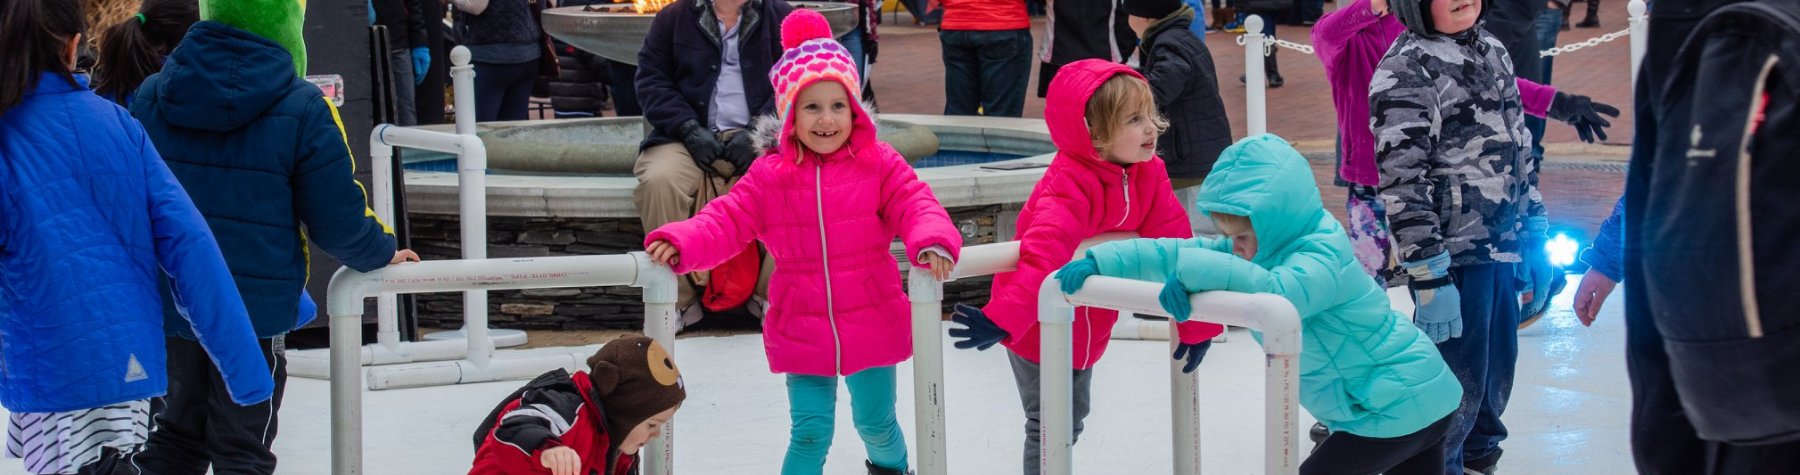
(801, 26)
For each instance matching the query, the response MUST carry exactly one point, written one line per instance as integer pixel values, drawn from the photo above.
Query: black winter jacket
(679, 64)
(1180, 70)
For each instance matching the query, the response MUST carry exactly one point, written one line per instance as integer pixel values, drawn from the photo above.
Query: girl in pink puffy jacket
(826, 204)
(1105, 178)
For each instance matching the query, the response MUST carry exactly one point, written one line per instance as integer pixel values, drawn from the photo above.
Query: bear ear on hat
(605, 377)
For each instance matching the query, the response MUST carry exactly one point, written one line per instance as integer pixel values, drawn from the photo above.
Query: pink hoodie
(837, 305)
(1082, 196)
(1351, 42)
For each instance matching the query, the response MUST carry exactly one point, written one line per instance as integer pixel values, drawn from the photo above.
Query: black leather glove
(741, 151)
(701, 144)
(1583, 114)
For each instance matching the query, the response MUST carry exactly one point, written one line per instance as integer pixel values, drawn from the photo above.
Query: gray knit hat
(1416, 15)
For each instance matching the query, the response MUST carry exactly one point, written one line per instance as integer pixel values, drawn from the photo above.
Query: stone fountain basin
(609, 146)
(619, 36)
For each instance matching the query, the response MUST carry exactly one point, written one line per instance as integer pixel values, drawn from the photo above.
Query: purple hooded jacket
(1351, 42)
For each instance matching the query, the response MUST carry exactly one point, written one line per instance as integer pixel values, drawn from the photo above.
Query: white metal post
(660, 297)
(471, 182)
(1640, 34)
(462, 83)
(1056, 389)
(927, 296)
(1184, 410)
(1256, 111)
(381, 158)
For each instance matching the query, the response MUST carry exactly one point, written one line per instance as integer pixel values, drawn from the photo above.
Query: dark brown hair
(133, 49)
(35, 36)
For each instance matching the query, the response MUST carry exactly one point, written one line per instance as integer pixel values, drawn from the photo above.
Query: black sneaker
(1484, 465)
(880, 470)
(1318, 433)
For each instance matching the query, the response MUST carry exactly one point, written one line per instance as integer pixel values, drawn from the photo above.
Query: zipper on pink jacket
(837, 346)
(1127, 176)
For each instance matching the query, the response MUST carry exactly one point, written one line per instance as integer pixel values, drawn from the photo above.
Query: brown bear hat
(633, 379)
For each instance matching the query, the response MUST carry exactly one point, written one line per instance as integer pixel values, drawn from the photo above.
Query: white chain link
(1591, 42)
(1268, 45)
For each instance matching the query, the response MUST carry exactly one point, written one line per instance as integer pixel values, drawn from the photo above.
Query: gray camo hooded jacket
(1456, 169)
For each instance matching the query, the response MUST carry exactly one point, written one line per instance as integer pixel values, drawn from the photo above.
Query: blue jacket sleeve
(330, 201)
(1149, 260)
(203, 289)
(1304, 277)
(1608, 249)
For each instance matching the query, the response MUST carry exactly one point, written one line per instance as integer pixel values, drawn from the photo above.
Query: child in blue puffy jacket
(1365, 371)
(90, 219)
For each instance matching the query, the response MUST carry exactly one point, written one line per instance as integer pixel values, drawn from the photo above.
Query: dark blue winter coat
(88, 214)
(262, 152)
(679, 64)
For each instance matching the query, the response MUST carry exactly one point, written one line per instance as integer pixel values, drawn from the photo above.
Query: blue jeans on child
(1482, 359)
(1548, 25)
(812, 402)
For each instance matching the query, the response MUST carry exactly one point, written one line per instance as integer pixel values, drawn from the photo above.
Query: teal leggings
(812, 402)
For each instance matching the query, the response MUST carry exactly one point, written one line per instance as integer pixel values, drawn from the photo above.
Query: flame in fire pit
(650, 7)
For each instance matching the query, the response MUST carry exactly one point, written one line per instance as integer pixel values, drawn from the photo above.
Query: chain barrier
(1269, 46)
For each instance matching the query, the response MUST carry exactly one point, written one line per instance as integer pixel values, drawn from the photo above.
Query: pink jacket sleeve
(1044, 247)
(908, 206)
(719, 231)
(1536, 97)
(1166, 219)
(1332, 35)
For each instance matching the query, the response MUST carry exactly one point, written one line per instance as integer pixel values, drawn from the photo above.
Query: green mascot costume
(281, 21)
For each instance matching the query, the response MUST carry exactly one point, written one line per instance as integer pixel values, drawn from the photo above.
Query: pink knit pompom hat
(811, 55)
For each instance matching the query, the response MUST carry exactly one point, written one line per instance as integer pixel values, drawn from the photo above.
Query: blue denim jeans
(853, 41)
(1482, 359)
(1548, 25)
(986, 72)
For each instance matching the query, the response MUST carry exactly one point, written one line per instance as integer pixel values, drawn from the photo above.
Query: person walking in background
(505, 45)
(1082, 29)
(134, 49)
(987, 56)
(408, 51)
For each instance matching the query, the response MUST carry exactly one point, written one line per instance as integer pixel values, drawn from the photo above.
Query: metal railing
(1271, 314)
(344, 304)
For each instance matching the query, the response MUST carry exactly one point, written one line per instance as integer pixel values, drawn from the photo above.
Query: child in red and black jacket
(588, 422)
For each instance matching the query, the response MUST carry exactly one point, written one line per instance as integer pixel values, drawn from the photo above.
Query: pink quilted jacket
(838, 305)
(1082, 196)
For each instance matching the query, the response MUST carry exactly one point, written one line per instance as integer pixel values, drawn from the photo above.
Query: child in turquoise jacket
(1365, 371)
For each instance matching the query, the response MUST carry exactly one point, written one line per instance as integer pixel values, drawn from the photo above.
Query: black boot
(1318, 433)
(1273, 71)
(879, 470)
(1593, 15)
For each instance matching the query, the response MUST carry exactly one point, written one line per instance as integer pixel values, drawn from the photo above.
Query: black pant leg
(177, 442)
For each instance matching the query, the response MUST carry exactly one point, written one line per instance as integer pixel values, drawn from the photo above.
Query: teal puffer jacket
(1364, 368)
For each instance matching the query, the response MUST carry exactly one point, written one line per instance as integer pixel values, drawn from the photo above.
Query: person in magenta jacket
(1100, 181)
(825, 204)
(1350, 42)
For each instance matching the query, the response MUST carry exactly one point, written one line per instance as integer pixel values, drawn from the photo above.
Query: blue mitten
(1076, 273)
(421, 63)
(1439, 304)
(979, 333)
(1192, 353)
(1535, 273)
(1176, 300)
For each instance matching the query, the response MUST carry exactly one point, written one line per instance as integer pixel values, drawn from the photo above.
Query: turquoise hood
(1263, 178)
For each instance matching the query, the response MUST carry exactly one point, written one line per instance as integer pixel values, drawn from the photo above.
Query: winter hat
(633, 378)
(1152, 9)
(1416, 15)
(280, 21)
(812, 55)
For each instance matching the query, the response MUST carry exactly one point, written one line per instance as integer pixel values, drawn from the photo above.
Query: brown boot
(1222, 16)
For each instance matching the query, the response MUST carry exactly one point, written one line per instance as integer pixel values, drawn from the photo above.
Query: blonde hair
(1114, 102)
(1231, 224)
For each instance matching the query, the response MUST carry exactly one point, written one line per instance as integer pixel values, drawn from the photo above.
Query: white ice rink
(1568, 413)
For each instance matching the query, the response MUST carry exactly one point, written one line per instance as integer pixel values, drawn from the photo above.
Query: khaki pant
(671, 188)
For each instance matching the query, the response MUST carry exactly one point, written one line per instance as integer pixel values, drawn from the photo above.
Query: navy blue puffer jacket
(262, 152)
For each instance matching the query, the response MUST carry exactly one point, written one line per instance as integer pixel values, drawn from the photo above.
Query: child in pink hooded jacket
(826, 204)
(1115, 185)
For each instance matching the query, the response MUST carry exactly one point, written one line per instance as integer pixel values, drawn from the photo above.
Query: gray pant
(405, 108)
(1025, 373)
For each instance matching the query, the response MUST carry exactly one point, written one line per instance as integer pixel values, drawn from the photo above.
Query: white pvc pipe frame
(344, 303)
(1256, 111)
(1273, 315)
(472, 183)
